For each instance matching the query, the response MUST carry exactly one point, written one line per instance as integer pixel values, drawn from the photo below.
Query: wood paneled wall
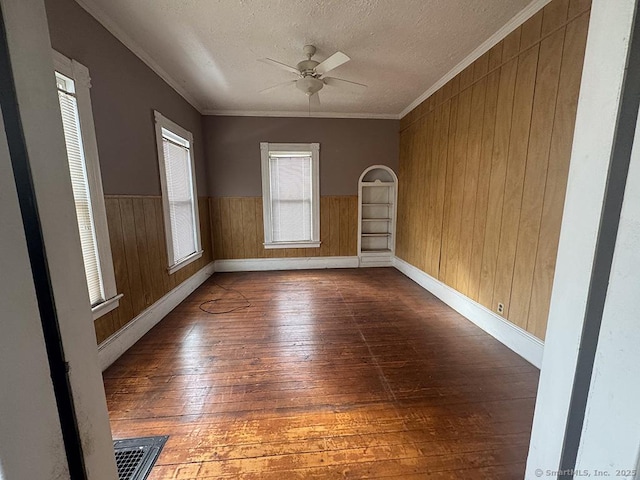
(238, 229)
(136, 231)
(484, 164)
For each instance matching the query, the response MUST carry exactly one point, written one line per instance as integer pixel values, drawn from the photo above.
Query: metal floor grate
(136, 456)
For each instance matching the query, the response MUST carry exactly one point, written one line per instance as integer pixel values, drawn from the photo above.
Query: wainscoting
(484, 164)
(136, 231)
(482, 179)
(238, 229)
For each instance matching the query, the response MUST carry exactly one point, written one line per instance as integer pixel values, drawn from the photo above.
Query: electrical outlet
(501, 308)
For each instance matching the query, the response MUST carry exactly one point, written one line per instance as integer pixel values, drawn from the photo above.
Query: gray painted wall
(124, 94)
(347, 147)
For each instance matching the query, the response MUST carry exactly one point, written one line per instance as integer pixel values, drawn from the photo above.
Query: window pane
(291, 198)
(180, 195)
(81, 193)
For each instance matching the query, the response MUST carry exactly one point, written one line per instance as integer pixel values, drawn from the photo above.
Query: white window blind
(181, 202)
(290, 194)
(291, 197)
(80, 184)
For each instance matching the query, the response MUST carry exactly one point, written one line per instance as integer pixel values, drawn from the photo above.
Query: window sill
(292, 245)
(106, 306)
(185, 261)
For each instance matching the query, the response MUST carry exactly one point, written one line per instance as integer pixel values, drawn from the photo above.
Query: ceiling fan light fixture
(310, 74)
(309, 85)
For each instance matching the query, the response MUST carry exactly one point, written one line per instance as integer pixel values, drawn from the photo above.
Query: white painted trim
(520, 341)
(107, 22)
(385, 260)
(118, 343)
(185, 261)
(380, 259)
(28, 407)
(173, 127)
(521, 17)
(31, 67)
(162, 122)
(296, 263)
(63, 64)
(266, 149)
(96, 12)
(604, 74)
(106, 306)
(296, 114)
(277, 245)
(82, 84)
(616, 416)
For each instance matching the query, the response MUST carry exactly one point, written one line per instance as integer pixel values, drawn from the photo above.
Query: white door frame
(33, 132)
(597, 176)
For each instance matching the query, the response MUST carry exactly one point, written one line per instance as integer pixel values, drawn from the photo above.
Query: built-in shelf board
(378, 184)
(377, 196)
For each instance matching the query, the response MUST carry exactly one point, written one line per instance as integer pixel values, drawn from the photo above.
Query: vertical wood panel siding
(484, 164)
(136, 231)
(238, 229)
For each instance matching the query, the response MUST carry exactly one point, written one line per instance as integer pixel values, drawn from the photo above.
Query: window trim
(82, 80)
(163, 122)
(265, 149)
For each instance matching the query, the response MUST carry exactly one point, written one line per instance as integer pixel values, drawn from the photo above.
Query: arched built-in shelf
(377, 199)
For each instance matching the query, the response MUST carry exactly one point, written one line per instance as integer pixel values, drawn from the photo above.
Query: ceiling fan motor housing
(307, 67)
(310, 72)
(309, 85)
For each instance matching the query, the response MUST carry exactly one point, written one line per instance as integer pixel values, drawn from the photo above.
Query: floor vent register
(136, 456)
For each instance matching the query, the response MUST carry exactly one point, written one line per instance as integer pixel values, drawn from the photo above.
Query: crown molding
(107, 22)
(525, 14)
(268, 113)
(95, 11)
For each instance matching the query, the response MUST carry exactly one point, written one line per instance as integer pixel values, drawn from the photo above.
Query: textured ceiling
(209, 48)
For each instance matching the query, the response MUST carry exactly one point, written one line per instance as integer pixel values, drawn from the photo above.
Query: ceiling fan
(310, 74)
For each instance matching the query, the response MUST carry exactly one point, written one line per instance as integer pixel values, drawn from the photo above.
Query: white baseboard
(294, 263)
(376, 261)
(514, 337)
(118, 343)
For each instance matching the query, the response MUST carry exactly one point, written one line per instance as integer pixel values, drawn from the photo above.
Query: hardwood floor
(325, 374)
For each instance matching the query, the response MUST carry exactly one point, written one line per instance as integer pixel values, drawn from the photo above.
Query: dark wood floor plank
(323, 374)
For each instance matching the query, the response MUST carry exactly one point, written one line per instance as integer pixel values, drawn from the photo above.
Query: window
(179, 198)
(291, 194)
(73, 83)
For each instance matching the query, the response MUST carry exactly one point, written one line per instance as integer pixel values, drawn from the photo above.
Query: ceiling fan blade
(334, 61)
(281, 65)
(337, 82)
(279, 85)
(314, 100)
